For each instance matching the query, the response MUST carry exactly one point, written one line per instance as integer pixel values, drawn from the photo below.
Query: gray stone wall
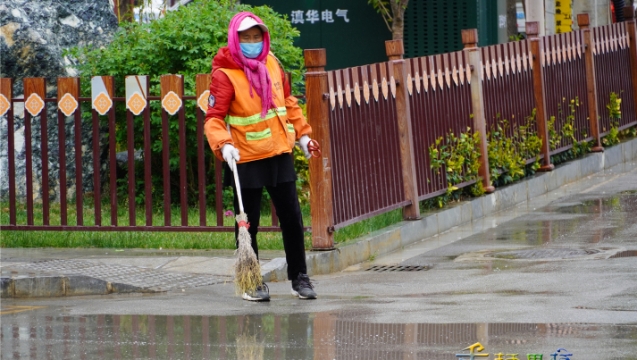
(33, 38)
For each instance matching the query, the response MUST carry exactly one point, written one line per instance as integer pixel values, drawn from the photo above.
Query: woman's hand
(303, 141)
(310, 147)
(231, 155)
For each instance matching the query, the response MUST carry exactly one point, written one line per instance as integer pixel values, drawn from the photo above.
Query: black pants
(288, 210)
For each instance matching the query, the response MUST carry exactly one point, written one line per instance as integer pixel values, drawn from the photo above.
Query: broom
(247, 269)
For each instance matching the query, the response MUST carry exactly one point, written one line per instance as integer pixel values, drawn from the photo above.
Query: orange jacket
(256, 138)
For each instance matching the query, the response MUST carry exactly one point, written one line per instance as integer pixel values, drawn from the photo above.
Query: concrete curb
(404, 233)
(55, 286)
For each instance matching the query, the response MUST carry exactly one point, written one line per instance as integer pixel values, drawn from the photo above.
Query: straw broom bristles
(247, 269)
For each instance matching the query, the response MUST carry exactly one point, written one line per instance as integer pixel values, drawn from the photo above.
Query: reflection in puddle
(248, 347)
(295, 336)
(619, 202)
(586, 221)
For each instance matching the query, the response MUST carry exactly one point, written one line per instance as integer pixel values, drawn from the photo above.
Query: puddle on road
(294, 336)
(583, 221)
(623, 202)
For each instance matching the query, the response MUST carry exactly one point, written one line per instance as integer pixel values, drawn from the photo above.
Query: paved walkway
(64, 272)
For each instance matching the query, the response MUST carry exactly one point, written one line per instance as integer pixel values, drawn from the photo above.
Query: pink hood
(255, 69)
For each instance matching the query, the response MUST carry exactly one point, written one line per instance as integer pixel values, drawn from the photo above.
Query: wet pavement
(557, 272)
(329, 335)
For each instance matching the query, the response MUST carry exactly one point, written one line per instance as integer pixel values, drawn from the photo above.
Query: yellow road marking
(12, 309)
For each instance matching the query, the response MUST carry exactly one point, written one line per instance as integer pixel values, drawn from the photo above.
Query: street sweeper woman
(252, 124)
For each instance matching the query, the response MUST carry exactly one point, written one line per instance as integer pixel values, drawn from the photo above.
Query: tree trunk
(125, 9)
(398, 8)
(397, 28)
(512, 22)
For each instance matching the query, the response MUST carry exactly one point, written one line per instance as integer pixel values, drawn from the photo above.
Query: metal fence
(440, 102)
(612, 53)
(508, 70)
(365, 160)
(171, 115)
(564, 69)
(375, 124)
(379, 120)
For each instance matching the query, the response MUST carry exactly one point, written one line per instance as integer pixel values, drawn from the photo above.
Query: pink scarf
(255, 69)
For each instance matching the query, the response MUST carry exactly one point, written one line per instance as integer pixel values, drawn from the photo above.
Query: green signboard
(354, 34)
(434, 26)
(351, 32)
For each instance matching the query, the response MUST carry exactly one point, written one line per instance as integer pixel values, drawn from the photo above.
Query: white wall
(535, 12)
(598, 11)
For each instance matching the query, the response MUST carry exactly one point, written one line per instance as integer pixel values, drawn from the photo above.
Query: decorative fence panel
(440, 102)
(565, 73)
(507, 79)
(366, 161)
(612, 74)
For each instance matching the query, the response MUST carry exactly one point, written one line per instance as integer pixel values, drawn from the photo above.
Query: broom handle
(237, 187)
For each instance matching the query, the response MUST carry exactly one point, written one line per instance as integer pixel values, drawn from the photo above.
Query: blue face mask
(251, 50)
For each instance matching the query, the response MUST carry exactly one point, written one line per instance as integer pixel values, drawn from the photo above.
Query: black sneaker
(261, 293)
(302, 287)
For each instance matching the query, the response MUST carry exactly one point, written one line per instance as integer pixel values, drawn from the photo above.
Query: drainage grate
(627, 253)
(381, 268)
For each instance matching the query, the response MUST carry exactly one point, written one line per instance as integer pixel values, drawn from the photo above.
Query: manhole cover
(545, 254)
(381, 268)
